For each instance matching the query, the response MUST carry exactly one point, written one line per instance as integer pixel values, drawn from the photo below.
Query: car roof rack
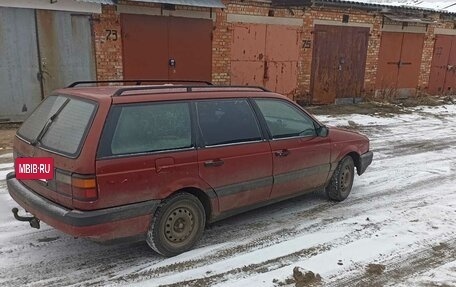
(187, 89)
(138, 82)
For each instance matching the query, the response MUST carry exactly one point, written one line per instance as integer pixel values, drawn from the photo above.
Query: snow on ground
(444, 275)
(401, 215)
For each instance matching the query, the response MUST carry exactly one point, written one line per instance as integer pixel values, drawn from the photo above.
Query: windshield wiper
(48, 124)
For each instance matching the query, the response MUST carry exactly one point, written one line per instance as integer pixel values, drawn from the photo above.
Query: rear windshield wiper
(48, 124)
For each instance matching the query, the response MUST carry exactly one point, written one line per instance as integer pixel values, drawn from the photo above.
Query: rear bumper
(104, 224)
(365, 161)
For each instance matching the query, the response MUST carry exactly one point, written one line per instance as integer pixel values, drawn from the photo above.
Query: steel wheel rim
(345, 179)
(179, 225)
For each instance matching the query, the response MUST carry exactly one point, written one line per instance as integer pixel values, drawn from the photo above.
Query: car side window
(227, 121)
(284, 120)
(152, 127)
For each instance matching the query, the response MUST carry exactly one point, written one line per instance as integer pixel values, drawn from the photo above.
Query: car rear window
(66, 131)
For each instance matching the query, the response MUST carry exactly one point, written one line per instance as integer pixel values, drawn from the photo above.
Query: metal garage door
(66, 49)
(443, 69)
(338, 62)
(399, 61)
(166, 47)
(20, 90)
(265, 55)
(27, 73)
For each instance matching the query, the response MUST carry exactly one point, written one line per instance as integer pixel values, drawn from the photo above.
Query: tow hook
(34, 222)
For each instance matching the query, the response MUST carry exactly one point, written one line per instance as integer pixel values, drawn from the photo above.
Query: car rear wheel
(177, 226)
(341, 182)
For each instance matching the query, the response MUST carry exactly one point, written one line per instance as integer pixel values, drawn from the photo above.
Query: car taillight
(82, 187)
(63, 183)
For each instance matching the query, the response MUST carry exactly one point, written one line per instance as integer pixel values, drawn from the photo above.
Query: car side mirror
(322, 131)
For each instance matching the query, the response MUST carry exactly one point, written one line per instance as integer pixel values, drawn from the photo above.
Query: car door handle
(214, 163)
(282, 153)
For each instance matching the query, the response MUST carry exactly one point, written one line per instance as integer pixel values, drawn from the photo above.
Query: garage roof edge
(378, 5)
(108, 2)
(194, 3)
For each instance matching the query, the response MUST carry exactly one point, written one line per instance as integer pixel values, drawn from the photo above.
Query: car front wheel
(341, 182)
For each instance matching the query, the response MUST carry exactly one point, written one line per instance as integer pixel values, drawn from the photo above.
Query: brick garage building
(284, 45)
(314, 51)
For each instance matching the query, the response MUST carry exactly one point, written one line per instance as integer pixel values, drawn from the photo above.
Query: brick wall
(426, 59)
(108, 50)
(221, 41)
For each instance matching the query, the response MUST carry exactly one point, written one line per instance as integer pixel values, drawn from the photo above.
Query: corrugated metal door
(399, 60)
(145, 46)
(265, 55)
(443, 69)
(338, 62)
(20, 88)
(166, 47)
(66, 48)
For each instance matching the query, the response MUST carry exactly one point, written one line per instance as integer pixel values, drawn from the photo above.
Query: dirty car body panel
(233, 149)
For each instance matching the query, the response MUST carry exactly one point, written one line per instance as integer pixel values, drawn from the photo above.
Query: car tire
(177, 225)
(341, 182)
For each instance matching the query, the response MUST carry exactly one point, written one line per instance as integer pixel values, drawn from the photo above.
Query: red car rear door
(234, 159)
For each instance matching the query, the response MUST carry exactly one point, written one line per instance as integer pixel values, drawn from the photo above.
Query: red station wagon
(159, 162)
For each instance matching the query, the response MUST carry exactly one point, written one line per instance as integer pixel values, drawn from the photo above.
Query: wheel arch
(202, 197)
(356, 160)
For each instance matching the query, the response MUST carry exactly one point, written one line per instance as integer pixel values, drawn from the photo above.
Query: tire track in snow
(410, 147)
(289, 259)
(78, 266)
(403, 267)
(286, 234)
(127, 254)
(264, 266)
(271, 265)
(77, 261)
